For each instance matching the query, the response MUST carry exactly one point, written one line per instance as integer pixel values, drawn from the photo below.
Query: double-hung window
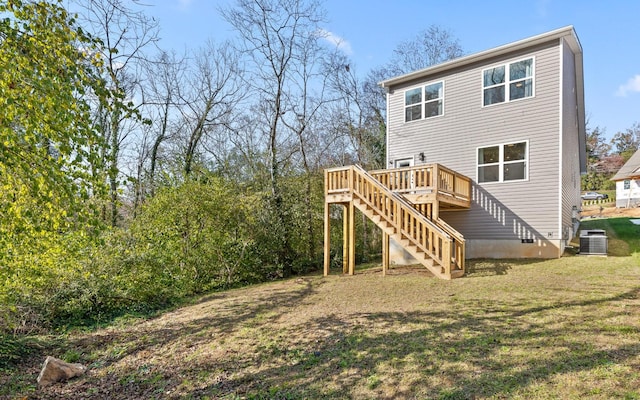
(502, 163)
(508, 82)
(413, 104)
(424, 102)
(433, 99)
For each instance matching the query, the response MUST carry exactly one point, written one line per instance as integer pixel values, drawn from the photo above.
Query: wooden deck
(405, 204)
(427, 184)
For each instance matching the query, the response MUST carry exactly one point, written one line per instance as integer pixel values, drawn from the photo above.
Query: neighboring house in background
(512, 119)
(628, 183)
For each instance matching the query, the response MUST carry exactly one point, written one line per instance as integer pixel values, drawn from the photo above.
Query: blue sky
(370, 30)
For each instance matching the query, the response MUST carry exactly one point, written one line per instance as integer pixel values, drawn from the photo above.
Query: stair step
(390, 228)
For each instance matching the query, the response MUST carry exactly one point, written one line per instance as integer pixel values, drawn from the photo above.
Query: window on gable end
(433, 97)
(508, 82)
(424, 102)
(494, 87)
(413, 104)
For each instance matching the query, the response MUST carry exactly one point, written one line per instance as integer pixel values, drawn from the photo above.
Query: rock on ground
(55, 370)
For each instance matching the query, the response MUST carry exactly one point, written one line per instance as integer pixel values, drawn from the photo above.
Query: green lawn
(623, 236)
(536, 329)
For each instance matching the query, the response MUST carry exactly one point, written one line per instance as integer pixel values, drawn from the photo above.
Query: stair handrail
(399, 198)
(456, 238)
(421, 232)
(449, 229)
(457, 244)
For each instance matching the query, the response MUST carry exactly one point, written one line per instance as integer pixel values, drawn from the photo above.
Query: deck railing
(426, 178)
(337, 180)
(426, 235)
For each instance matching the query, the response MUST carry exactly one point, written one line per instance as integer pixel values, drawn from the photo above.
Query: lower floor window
(505, 162)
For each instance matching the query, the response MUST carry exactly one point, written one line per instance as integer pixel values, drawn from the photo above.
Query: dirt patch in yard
(609, 211)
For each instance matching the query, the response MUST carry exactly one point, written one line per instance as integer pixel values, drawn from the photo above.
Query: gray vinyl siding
(510, 210)
(570, 144)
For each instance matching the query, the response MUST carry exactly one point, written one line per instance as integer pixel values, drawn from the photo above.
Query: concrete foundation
(482, 248)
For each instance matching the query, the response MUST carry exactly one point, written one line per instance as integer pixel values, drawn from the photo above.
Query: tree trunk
(114, 150)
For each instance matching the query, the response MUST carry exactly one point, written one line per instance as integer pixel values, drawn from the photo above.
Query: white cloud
(184, 4)
(542, 8)
(336, 41)
(632, 85)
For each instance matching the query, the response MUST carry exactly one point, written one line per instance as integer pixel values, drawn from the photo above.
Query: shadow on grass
(491, 267)
(102, 350)
(437, 355)
(470, 350)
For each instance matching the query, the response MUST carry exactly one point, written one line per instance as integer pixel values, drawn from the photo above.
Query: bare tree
(212, 93)
(163, 77)
(357, 120)
(431, 46)
(125, 33)
(308, 100)
(272, 33)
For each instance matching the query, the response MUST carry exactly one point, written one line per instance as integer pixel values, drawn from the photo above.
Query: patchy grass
(566, 328)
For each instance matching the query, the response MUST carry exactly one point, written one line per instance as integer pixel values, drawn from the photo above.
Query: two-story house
(503, 131)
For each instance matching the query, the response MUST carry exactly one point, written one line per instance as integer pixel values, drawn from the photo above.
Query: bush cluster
(188, 239)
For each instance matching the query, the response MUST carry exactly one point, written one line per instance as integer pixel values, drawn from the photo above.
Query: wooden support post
(446, 257)
(435, 210)
(345, 239)
(352, 239)
(385, 252)
(327, 239)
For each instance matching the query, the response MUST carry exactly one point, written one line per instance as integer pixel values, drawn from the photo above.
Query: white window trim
(507, 81)
(431, 101)
(501, 163)
(404, 100)
(423, 102)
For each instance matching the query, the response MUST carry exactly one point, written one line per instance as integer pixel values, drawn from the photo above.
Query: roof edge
(629, 169)
(567, 32)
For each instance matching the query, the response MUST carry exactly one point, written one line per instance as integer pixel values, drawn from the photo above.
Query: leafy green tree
(50, 169)
(48, 144)
(626, 143)
(597, 147)
(593, 180)
(188, 239)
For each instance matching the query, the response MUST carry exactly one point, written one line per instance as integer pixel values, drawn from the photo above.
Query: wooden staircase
(408, 214)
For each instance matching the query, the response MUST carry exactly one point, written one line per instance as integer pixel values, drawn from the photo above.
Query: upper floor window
(424, 102)
(508, 82)
(413, 104)
(505, 162)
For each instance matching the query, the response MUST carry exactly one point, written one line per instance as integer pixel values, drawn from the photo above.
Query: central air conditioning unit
(593, 242)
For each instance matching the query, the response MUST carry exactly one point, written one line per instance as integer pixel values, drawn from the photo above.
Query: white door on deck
(406, 180)
(405, 162)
